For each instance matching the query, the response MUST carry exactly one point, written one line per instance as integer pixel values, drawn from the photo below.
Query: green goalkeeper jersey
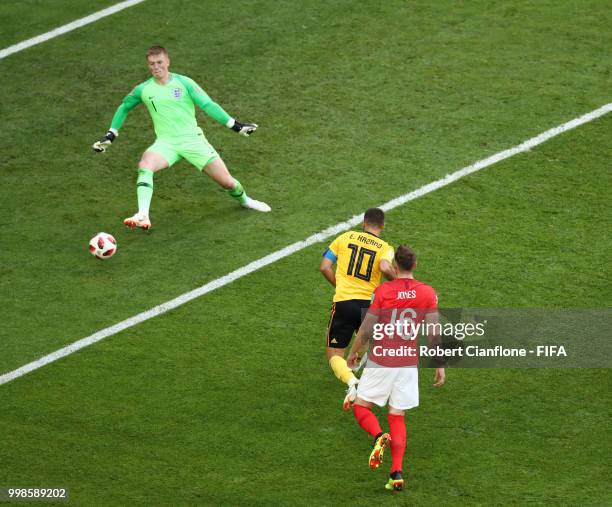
(171, 106)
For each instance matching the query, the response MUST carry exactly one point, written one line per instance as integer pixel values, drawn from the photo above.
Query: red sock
(397, 428)
(367, 420)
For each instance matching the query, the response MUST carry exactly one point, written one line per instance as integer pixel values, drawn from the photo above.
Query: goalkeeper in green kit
(171, 99)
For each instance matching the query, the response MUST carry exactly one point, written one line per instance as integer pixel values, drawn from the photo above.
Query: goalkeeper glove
(101, 145)
(246, 129)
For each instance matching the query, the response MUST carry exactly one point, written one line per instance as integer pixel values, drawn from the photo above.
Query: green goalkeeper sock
(238, 192)
(144, 190)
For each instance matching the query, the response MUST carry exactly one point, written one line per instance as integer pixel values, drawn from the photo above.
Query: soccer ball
(103, 246)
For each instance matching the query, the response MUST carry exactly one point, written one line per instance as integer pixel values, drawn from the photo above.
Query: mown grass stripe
(300, 245)
(73, 25)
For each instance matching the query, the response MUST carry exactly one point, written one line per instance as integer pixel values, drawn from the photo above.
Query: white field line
(300, 245)
(15, 48)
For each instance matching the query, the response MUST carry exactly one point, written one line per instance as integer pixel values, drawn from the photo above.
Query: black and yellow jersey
(357, 256)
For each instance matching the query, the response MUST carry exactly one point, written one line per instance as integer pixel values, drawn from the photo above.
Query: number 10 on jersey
(358, 257)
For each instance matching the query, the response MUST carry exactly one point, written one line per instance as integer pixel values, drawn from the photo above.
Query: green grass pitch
(228, 400)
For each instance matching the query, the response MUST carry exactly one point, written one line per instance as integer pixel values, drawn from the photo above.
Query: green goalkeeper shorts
(195, 149)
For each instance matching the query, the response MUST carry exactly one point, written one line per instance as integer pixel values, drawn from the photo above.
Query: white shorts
(397, 386)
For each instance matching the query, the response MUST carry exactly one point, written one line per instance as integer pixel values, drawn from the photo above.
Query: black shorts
(345, 320)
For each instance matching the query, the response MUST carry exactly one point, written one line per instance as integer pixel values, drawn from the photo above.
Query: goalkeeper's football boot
(351, 394)
(256, 205)
(380, 444)
(138, 220)
(395, 482)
